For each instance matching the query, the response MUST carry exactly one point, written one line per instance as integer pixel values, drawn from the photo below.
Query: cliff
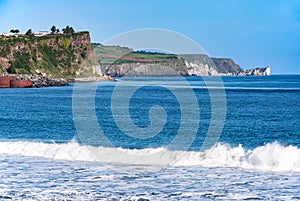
(53, 55)
(120, 61)
(202, 65)
(227, 66)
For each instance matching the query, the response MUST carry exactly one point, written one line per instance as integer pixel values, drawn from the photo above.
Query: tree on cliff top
(68, 30)
(14, 31)
(53, 29)
(29, 32)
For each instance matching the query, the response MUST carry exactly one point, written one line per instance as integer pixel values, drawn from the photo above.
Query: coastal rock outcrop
(31, 81)
(259, 71)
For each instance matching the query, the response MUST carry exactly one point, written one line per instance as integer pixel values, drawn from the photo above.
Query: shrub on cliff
(20, 64)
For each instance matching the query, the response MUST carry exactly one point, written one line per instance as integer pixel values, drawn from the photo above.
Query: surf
(270, 157)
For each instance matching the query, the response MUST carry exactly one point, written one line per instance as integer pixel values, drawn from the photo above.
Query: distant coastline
(119, 61)
(69, 54)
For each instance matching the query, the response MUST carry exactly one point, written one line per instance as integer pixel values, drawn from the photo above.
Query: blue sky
(255, 33)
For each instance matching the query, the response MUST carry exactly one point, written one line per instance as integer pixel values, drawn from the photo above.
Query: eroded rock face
(227, 66)
(144, 69)
(200, 69)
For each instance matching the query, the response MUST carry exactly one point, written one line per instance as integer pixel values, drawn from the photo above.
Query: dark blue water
(38, 161)
(259, 110)
(267, 110)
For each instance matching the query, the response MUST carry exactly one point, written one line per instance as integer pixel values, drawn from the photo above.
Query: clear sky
(255, 33)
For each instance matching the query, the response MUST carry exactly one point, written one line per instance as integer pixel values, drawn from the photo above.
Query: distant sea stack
(259, 71)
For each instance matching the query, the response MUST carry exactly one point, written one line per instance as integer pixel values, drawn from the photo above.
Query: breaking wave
(270, 157)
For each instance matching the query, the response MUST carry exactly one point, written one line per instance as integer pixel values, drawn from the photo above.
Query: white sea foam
(271, 157)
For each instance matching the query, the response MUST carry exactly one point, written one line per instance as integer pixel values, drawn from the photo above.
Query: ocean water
(153, 138)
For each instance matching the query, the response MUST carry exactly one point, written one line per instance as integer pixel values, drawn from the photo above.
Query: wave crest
(270, 157)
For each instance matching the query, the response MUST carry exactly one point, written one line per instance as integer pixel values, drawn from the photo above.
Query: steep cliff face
(199, 65)
(146, 69)
(54, 55)
(202, 65)
(227, 66)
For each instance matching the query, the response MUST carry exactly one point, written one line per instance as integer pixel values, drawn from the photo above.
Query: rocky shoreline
(43, 81)
(31, 81)
(38, 81)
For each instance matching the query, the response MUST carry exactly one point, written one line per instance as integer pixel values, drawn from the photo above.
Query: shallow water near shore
(256, 157)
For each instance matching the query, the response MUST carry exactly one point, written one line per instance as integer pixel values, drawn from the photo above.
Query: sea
(153, 138)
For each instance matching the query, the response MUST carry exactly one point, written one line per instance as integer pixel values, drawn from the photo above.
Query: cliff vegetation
(53, 54)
